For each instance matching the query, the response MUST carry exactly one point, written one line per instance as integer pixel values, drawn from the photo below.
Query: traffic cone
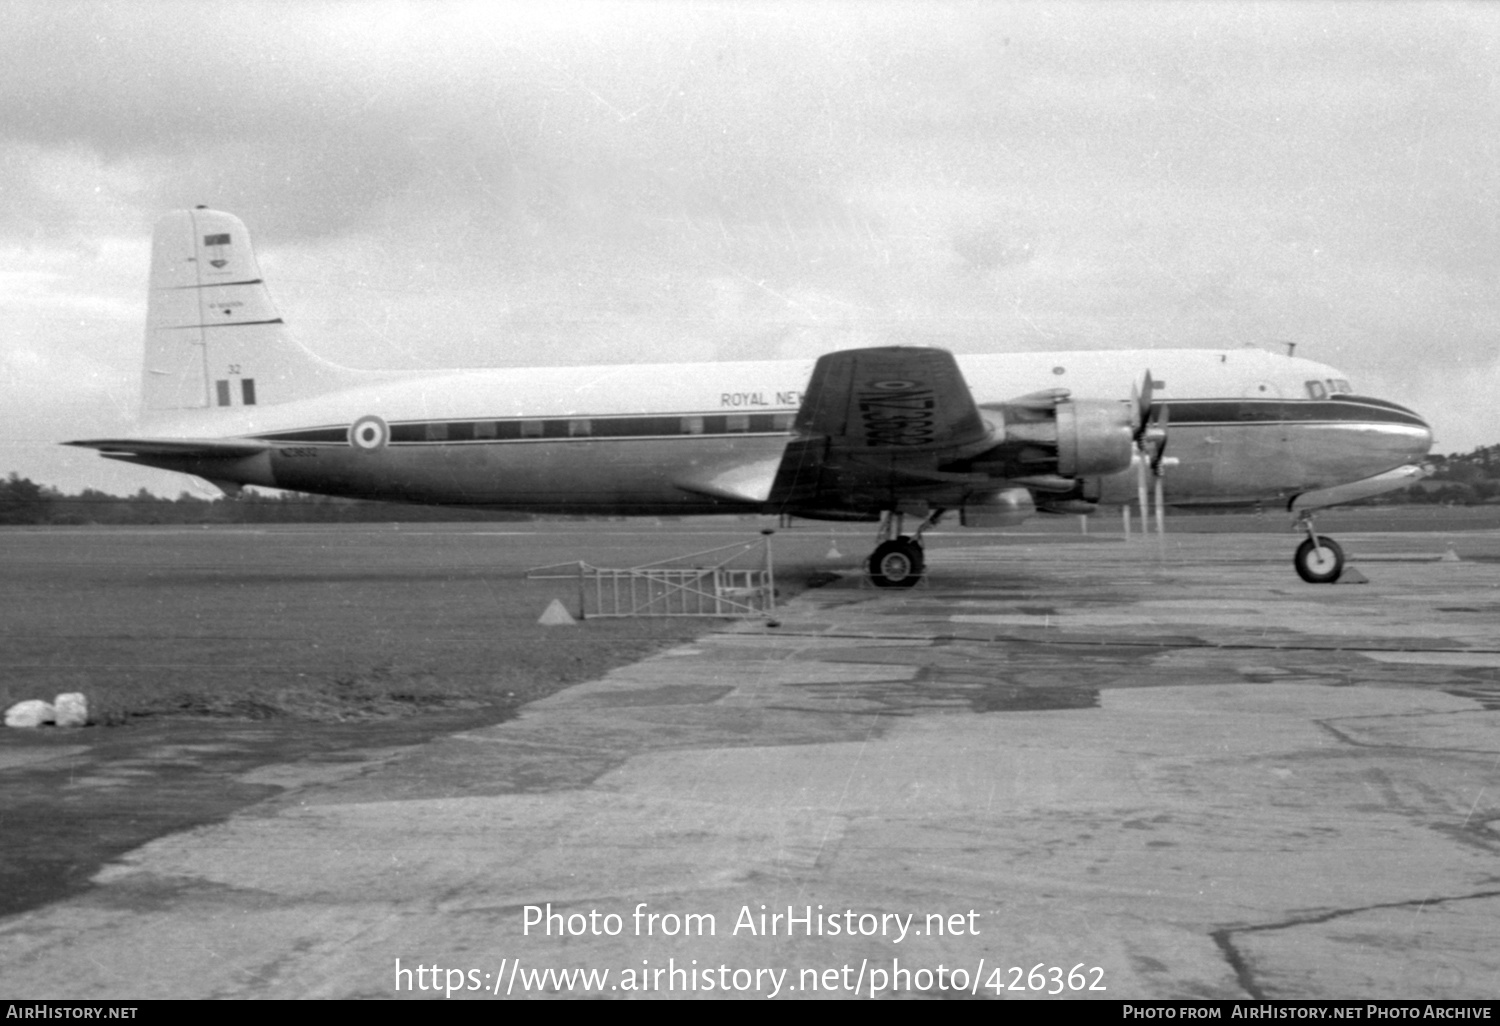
(556, 615)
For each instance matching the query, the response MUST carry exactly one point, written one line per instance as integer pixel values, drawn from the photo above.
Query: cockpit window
(1328, 386)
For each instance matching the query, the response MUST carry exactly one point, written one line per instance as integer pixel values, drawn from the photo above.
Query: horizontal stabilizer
(207, 448)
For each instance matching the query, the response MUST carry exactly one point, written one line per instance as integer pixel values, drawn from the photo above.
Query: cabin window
(531, 429)
(736, 423)
(1340, 385)
(782, 421)
(579, 428)
(223, 392)
(484, 429)
(692, 425)
(437, 432)
(1316, 390)
(247, 391)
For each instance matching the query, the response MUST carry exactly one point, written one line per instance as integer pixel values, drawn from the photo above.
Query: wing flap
(734, 482)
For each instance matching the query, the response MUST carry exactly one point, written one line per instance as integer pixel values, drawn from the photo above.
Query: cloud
(447, 183)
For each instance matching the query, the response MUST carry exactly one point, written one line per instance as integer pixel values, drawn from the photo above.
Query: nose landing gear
(1319, 560)
(898, 560)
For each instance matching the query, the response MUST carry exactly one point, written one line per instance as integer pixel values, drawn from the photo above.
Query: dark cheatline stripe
(1210, 412)
(1342, 410)
(328, 434)
(222, 324)
(219, 284)
(1368, 401)
(580, 428)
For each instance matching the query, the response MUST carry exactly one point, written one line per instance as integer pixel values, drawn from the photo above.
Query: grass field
(349, 623)
(327, 623)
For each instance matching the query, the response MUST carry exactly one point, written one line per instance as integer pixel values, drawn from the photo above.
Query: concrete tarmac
(1108, 769)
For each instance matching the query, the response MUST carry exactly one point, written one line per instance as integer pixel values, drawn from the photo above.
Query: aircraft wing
(201, 448)
(876, 428)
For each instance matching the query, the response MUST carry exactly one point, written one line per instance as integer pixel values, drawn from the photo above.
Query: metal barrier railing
(666, 588)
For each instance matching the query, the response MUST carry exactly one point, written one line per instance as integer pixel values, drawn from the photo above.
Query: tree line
(23, 501)
(1462, 479)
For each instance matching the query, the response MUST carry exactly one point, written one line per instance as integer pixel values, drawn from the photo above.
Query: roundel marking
(369, 434)
(894, 385)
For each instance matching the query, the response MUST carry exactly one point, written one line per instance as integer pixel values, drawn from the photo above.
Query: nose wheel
(1319, 559)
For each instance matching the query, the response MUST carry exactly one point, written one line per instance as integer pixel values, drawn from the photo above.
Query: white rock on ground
(31, 713)
(72, 709)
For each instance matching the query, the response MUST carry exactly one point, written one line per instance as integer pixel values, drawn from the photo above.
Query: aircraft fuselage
(1246, 426)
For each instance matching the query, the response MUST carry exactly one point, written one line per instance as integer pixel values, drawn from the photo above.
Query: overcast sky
(442, 184)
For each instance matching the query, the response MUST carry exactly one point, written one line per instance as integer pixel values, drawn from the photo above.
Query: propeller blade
(1157, 436)
(1150, 442)
(1142, 398)
(1141, 473)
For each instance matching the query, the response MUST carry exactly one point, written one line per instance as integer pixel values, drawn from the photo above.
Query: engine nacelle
(1006, 507)
(1069, 437)
(1095, 437)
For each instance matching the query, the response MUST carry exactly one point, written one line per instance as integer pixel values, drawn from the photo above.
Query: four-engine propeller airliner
(876, 434)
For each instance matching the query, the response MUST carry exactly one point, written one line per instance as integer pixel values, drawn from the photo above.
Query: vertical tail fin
(213, 335)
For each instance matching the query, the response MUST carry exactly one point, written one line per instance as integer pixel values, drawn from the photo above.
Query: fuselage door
(1250, 450)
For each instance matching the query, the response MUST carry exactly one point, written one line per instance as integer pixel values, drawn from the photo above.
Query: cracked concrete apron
(1189, 770)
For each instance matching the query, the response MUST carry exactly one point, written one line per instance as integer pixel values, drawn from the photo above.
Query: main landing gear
(898, 560)
(1319, 560)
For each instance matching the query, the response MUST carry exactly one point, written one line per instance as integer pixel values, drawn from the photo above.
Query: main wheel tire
(896, 564)
(918, 553)
(1321, 563)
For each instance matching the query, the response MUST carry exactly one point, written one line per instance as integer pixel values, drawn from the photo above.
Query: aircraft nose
(1420, 439)
(1398, 435)
(1409, 436)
